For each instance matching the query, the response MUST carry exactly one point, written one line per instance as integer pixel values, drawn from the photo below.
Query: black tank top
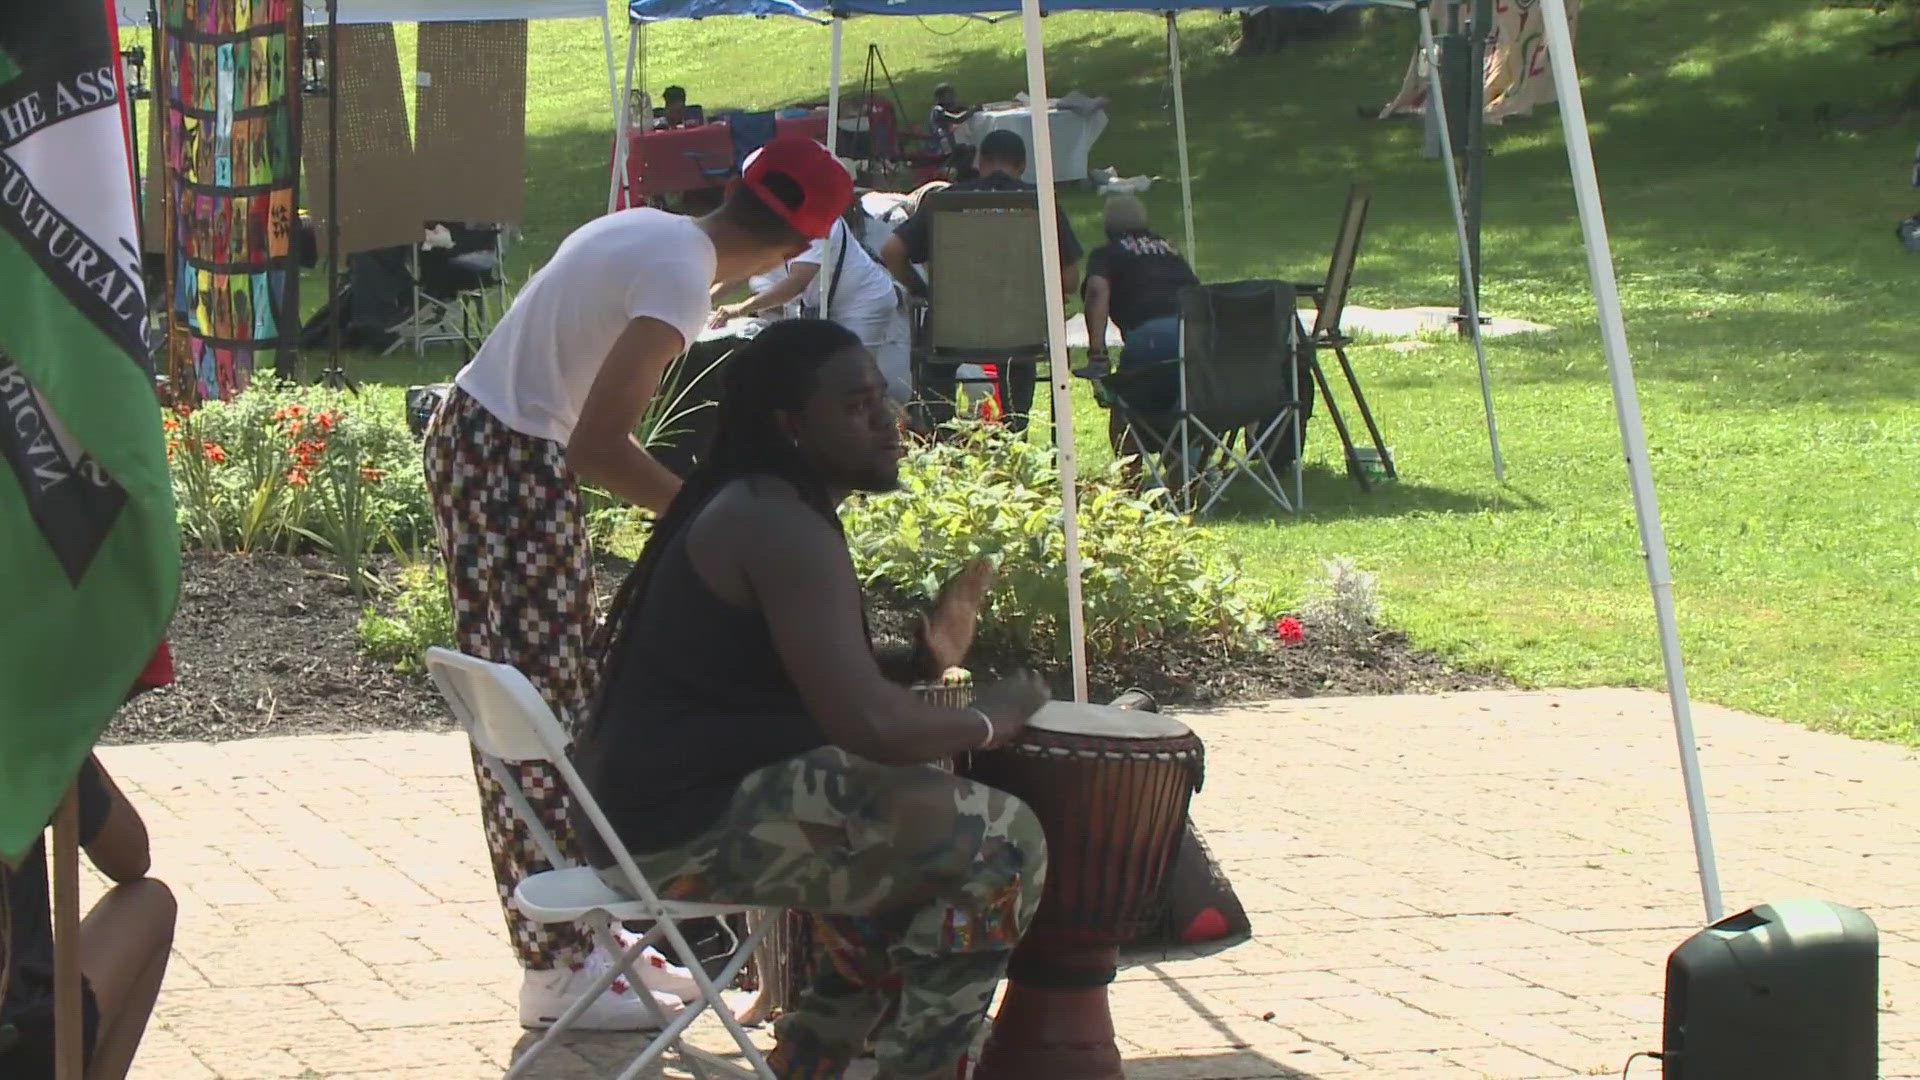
(697, 700)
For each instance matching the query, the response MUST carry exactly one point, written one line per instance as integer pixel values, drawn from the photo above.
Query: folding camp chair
(1330, 296)
(986, 290)
(508, 721)
(1239, 403)
(747, 131)
(452, 290)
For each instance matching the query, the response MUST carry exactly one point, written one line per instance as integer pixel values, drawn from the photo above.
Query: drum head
(1105, 721)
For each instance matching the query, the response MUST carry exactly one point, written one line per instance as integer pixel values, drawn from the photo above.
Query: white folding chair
(508, 721)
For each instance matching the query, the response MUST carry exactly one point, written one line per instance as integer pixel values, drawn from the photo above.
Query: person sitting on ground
(747, 748)
(1002, 161)
(945, 118)
(1135, 279)
(673, 109)
(124, 940)
(860, 295)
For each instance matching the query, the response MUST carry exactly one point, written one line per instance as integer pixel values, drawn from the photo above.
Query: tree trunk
(1271, 29)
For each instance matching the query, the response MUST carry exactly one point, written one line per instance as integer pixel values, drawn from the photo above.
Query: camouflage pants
(925, 882)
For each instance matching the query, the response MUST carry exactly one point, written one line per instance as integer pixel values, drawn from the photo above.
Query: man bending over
(748, 749)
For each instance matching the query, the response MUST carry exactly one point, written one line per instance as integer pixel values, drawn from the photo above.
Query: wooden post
(68, 1031)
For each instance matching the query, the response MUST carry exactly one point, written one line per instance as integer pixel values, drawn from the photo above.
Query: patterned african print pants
(924, 882)
(513, 532)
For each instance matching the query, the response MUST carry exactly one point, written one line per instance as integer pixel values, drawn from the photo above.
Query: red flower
(297, 477)
(216, 453)
(372, 476)
(1290, 630)
(327, 419)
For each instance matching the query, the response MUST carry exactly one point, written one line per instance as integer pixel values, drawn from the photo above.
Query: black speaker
(1783, 991)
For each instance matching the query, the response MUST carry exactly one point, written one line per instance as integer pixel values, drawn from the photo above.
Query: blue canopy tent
(1587, 198)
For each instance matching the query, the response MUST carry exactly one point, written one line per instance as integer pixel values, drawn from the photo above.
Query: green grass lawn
(1762, 285)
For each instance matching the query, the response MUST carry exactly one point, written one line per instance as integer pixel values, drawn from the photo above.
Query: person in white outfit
(838, 278)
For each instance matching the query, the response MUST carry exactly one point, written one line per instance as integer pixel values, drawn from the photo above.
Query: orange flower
(327, 420)
(169, 423)
(297, 477)
(216, 453)
(372, 476)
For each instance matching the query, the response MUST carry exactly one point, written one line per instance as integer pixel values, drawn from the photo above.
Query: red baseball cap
(823, 185)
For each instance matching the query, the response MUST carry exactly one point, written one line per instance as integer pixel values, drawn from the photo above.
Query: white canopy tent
(1587, 198)
(1593, 228)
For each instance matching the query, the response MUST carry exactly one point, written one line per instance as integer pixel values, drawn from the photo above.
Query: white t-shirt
(537, 365)
(865, 287)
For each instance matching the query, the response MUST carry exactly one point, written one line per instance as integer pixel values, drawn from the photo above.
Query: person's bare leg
(124, 944)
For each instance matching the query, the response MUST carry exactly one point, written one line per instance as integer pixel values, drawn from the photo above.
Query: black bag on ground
(1203, 915)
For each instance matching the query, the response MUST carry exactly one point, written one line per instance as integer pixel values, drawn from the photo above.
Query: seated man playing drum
(748, 749)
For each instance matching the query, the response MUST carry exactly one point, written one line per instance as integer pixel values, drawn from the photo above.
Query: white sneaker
(656, 971)
(544, 995)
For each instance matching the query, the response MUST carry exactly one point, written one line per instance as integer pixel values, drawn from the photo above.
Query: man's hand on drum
(1010, 702)
(947, 631)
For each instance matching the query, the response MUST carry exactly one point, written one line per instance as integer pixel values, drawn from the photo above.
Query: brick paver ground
(1474, 885)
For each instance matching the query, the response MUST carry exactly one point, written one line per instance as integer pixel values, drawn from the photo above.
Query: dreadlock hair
(771, 374)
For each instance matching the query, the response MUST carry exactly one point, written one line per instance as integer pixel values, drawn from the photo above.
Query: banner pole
(68, 1031)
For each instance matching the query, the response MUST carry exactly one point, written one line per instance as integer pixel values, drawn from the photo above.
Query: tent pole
(619, 104)
(1469, 294)
(623, 120)
(1633, 436)
(1180, 136)
(1476, 118)
(833, 88)
(1057, 363)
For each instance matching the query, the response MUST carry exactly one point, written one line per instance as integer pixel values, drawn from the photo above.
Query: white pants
(885, 332)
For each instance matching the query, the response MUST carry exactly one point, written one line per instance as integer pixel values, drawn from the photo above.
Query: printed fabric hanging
(230, 74)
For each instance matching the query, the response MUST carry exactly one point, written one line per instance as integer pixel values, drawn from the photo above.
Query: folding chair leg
(1339, 423)
(709, 995)
(1366, 414)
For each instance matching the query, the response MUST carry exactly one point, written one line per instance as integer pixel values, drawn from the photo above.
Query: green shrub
(284, 468)
(1147, 576)
(418, 615)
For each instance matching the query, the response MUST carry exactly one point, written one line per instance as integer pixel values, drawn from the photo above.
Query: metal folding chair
(452, 289)
(1239, 400)
(508, 721)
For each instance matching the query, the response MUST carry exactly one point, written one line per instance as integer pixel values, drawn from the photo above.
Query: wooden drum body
(1111, 788)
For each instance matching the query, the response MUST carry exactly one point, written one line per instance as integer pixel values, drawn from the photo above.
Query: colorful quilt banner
(89, 553)
(1517, 77)
(230, 77)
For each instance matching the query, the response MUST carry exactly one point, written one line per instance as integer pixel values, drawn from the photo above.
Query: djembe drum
(1111, 789)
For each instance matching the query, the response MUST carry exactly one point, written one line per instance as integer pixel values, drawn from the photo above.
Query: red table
(811, 126)
(665, 162)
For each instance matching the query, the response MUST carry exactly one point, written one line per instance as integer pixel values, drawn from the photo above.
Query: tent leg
(1436, 97)
(618, 179)
(833, 87)
(1633, 436)
(1056, 334)
(1180, 136)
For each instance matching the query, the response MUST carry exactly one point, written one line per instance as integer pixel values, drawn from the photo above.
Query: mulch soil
(268, 645)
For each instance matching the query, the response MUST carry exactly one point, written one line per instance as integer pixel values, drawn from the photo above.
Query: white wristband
(986, 722)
